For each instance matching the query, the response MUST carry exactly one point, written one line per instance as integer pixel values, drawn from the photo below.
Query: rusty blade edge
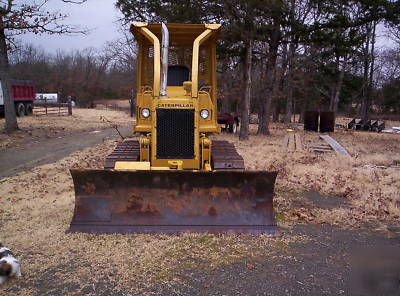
(73, 170)
(174, 230)
(91, 208)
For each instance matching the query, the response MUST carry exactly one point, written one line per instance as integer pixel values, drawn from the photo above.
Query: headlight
(145, 112)
(204, 113)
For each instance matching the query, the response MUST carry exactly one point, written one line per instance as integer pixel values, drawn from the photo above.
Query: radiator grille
(175, 133)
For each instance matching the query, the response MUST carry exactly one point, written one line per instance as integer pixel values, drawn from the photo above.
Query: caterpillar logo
(189, 105)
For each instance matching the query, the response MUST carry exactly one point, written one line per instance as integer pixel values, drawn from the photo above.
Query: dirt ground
(38, 151)
(48, 126)
(331, 209)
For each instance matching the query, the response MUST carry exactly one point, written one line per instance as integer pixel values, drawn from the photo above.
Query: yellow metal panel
(132, 165)
(205, 153)
(213, 71)
(179, 33)
(160, 168)
(176, 91)
(139, 24)
(139, 61)
(206, 103)
(175, 164)
(210, 129)
(144, 149)
(213, 26)
(141, 128)
(176, 103)
(143, 100)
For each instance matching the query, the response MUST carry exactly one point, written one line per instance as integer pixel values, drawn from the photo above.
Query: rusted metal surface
(311, 121)
(327, 122)
(225, 157)
(125, 151)
(173, 201)
(227, 200)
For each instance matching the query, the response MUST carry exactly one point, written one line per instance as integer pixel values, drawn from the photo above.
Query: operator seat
(177, 75)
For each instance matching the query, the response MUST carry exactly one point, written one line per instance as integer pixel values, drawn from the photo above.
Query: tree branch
(74, 2)
(36, 19)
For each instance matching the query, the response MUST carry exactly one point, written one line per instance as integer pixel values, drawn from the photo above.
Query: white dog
(9, 265)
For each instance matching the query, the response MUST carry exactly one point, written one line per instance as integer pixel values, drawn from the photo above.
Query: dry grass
(53, 125)
(37, 208)
(373, 195)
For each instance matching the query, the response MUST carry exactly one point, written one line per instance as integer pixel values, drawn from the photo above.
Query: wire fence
(52, 109)
(113, 107)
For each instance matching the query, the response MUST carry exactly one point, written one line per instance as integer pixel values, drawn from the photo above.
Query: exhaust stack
(164, 60)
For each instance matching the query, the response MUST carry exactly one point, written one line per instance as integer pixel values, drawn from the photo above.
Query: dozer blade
(173, 201)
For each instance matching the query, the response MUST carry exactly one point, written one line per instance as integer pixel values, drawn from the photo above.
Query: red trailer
(23, 94)
(229, 122)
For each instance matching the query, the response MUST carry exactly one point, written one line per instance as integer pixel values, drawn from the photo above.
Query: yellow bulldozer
(174, 178)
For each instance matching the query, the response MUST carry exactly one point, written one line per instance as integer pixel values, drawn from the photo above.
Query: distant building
(50, 98)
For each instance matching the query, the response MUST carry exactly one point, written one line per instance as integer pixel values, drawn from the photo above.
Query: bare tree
(122, 52)
(244, 130)
(389, 64)
(394, 34)
(271, 66)
(369, 60)
(20, 18)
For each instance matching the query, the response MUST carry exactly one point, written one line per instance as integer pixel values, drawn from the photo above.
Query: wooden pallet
(292, 142)
(321, 148)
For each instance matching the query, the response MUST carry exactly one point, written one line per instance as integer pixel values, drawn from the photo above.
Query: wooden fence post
(69, 107)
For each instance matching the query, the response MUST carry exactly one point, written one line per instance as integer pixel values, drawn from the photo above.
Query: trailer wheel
(233, 128)
(20, 109)
(28, 109)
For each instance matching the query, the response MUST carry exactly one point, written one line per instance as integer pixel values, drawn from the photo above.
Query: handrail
(195, 59)
(156, 44)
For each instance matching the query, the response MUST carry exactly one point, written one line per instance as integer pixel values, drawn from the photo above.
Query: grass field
(372, 194)
(37, 208)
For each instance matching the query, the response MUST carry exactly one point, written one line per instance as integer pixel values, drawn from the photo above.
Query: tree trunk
(303, 107)
(244, 128)
(9, 108)
(334, 102)
(132, 103)
(275, 111)
(276, 97)
(372, 65)
(368, 64)
(289, 84)
(263, 126)
(225, 102)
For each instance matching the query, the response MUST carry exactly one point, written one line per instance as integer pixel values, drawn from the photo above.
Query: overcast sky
(98, 15)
